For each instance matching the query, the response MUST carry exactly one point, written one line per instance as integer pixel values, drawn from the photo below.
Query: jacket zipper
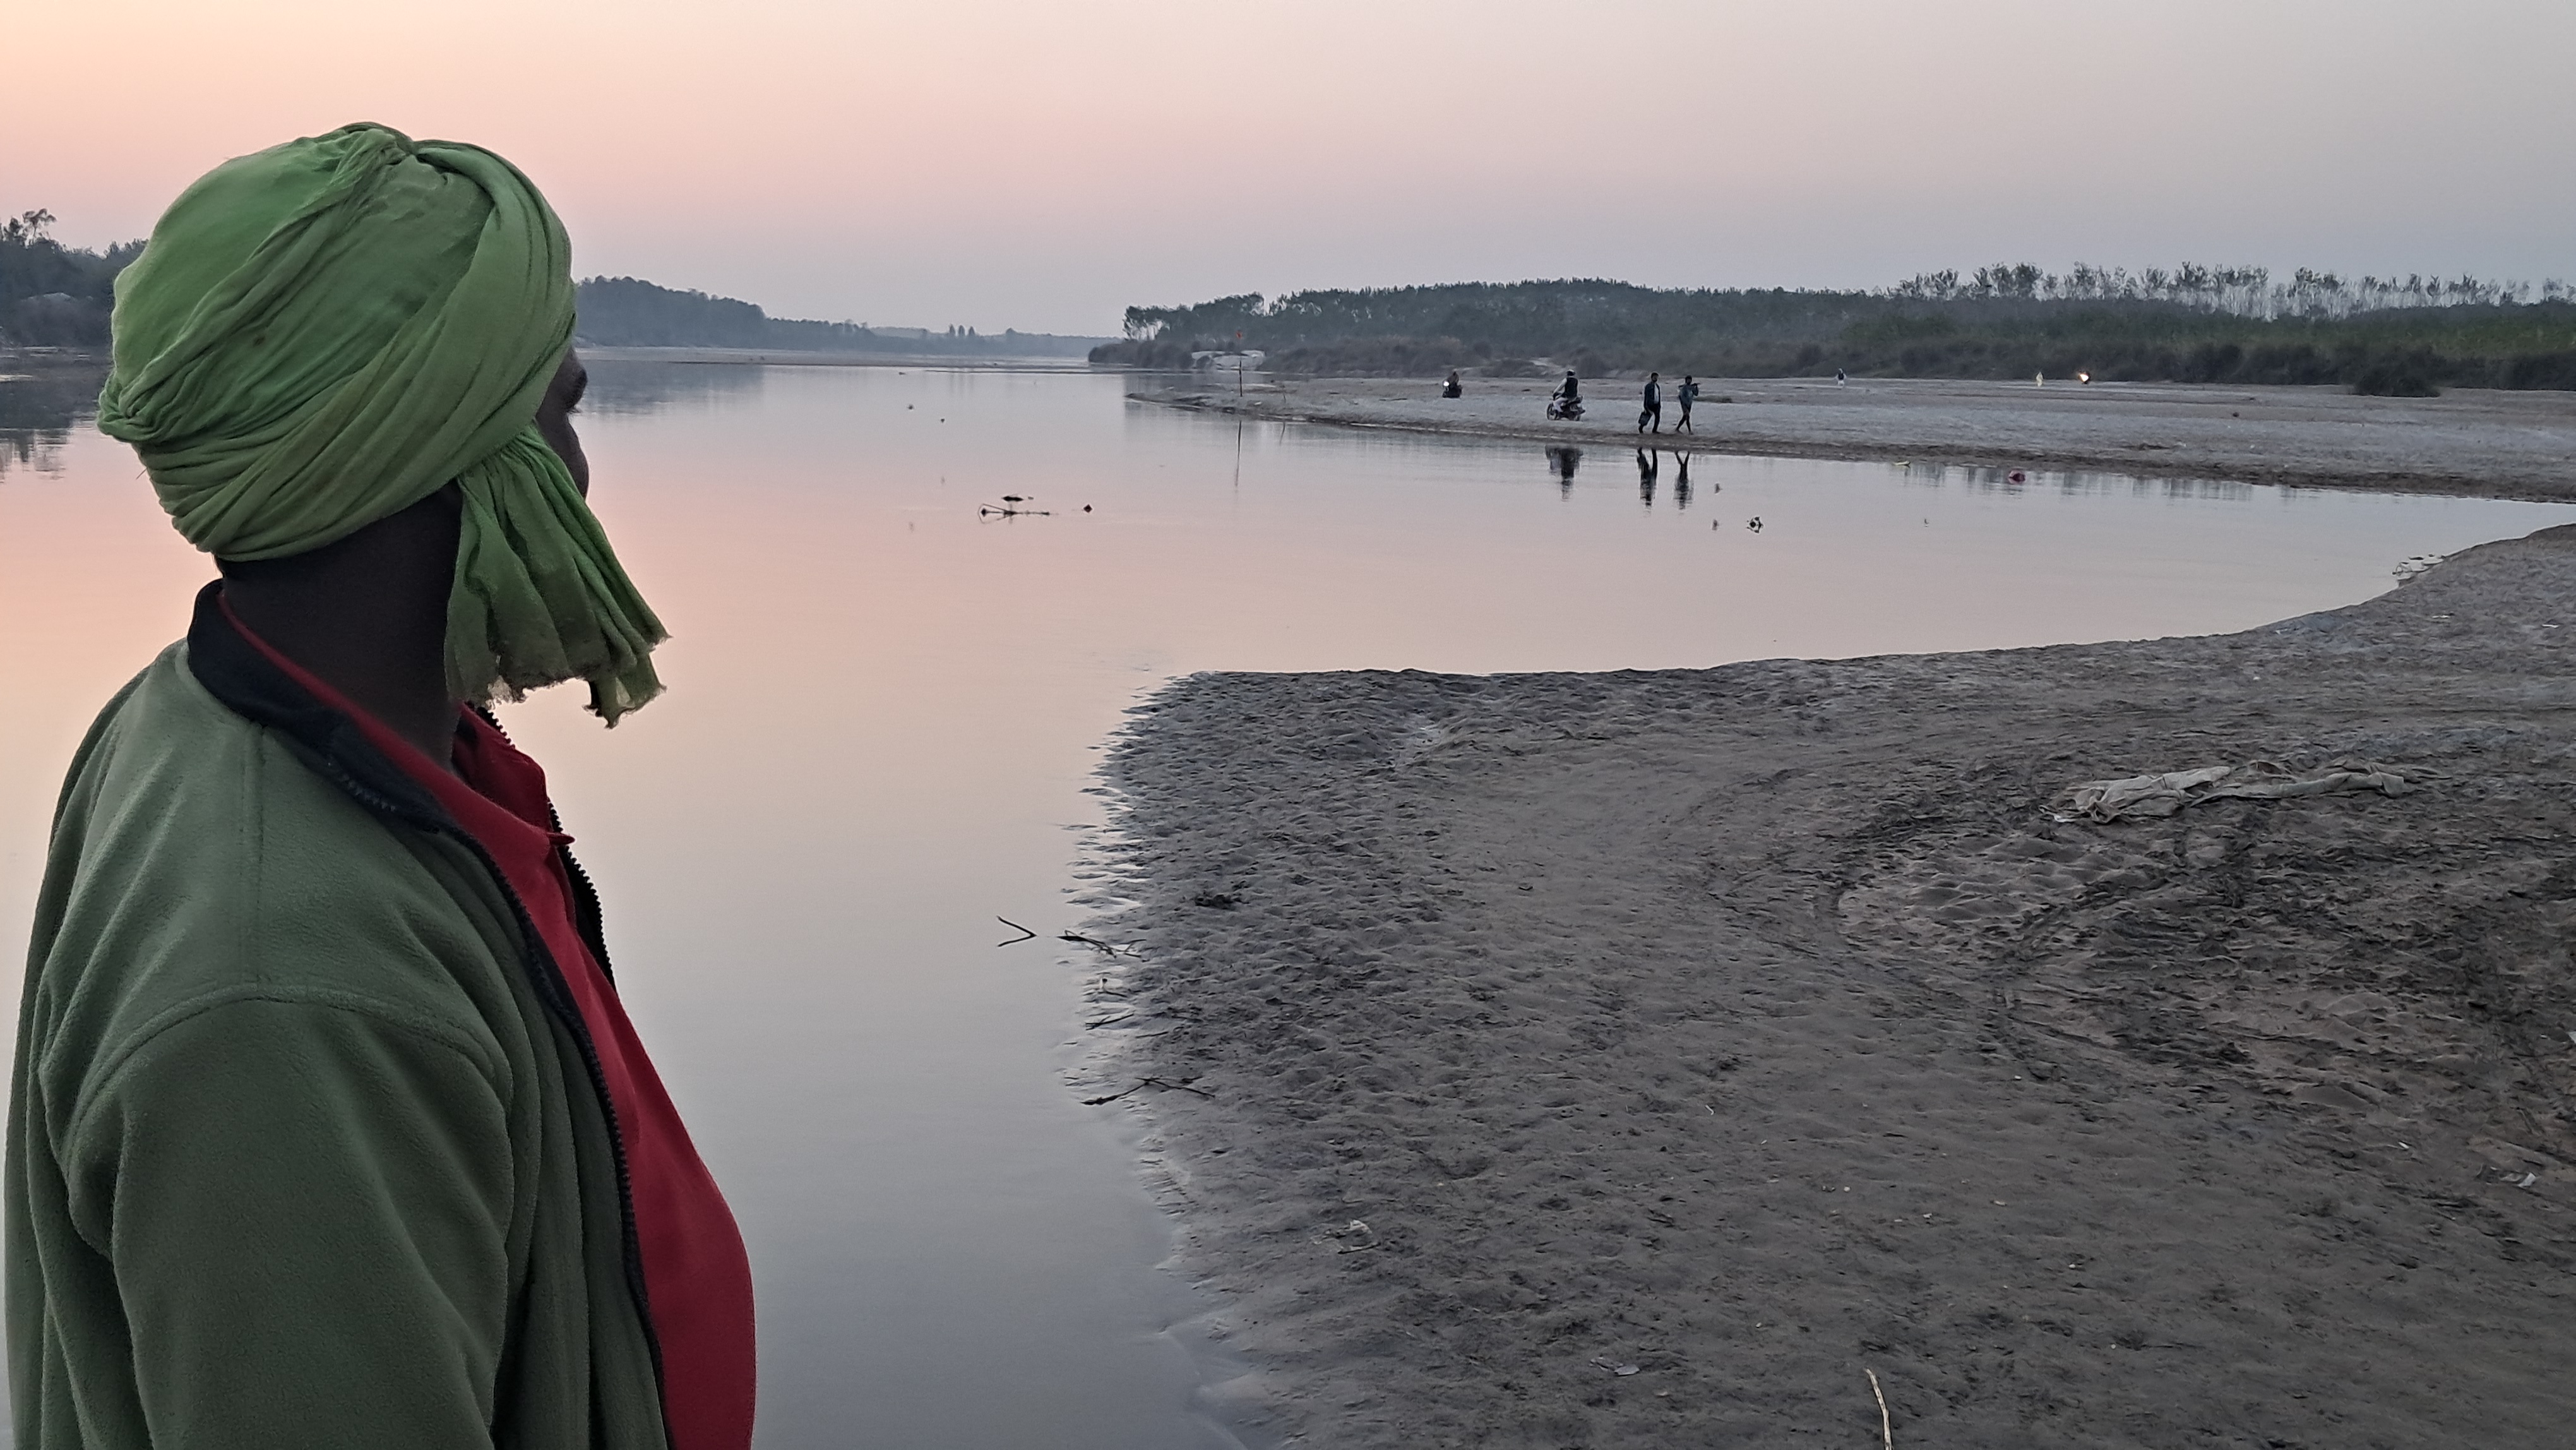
(556, 993)
(586, 917)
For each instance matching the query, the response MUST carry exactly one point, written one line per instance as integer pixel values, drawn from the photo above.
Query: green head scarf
(328, 332)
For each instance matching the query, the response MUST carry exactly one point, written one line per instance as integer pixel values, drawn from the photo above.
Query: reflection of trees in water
(2071, 483)
(618, 385)
(41, 401)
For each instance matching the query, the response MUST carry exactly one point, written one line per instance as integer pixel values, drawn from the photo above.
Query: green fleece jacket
(307, 1147)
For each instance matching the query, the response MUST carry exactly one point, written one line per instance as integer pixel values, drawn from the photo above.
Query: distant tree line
(2243, 291)
(56, 296)
(2192, 324)
(52, 295)
(630, 312)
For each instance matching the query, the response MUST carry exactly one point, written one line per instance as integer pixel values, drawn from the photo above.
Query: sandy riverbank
(2490, 444)
(1637, 1059)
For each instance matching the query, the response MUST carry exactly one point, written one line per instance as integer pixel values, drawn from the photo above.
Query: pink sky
(1041, 165)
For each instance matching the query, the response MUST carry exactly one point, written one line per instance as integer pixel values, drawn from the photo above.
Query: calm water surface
(885, 710)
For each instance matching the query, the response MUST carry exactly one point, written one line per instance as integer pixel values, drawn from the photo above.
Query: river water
(887, 705)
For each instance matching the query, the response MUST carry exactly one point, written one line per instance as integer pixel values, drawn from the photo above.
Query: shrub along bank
(2374, 337)
(52, 295)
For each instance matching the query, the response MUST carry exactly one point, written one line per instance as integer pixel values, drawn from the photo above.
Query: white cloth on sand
(2162, 795)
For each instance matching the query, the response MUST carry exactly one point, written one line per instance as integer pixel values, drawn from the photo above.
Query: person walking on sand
(1686, 394)
(327, 1125)
(1654, 409)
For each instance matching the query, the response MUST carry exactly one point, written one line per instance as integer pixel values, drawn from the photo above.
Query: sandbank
(1647, 1058)
(2475, 442)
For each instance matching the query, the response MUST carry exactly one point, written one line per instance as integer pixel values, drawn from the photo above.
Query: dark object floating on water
(2016, 476)
(1014, 498)
(1009, 508)
(1086, 508)
(1217, 900)
(1754, 523)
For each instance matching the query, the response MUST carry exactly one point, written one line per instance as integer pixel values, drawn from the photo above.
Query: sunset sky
(1042, 164)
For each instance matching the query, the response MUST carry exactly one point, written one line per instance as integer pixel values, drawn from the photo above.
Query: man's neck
(368, 617)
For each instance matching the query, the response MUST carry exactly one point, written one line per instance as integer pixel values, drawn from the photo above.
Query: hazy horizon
(1044, 166)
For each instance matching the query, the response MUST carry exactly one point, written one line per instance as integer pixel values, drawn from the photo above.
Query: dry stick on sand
(1886, 1430)
(1178, 1087)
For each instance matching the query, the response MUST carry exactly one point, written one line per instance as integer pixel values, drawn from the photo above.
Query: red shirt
(696, 1275)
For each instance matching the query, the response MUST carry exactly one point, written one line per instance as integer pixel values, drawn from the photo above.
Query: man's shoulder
(170, 780)
(197, 858)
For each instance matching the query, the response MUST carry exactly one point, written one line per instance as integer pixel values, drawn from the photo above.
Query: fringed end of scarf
(540, 597)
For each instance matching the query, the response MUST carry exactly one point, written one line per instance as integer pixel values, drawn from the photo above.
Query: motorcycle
(1563, 408)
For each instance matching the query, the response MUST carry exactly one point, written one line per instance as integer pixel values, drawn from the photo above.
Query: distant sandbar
(2472, 442)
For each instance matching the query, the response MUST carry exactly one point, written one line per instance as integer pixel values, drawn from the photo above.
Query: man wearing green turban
(328, 1127)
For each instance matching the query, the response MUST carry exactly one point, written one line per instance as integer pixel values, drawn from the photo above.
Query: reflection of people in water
(1563, 461)
(1452, 388)
(1647, 463)
(1681, 481)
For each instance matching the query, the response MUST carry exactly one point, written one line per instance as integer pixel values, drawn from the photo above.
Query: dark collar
(234, 671)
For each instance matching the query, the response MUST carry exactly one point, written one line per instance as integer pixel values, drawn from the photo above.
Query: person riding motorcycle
(1567, 401)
